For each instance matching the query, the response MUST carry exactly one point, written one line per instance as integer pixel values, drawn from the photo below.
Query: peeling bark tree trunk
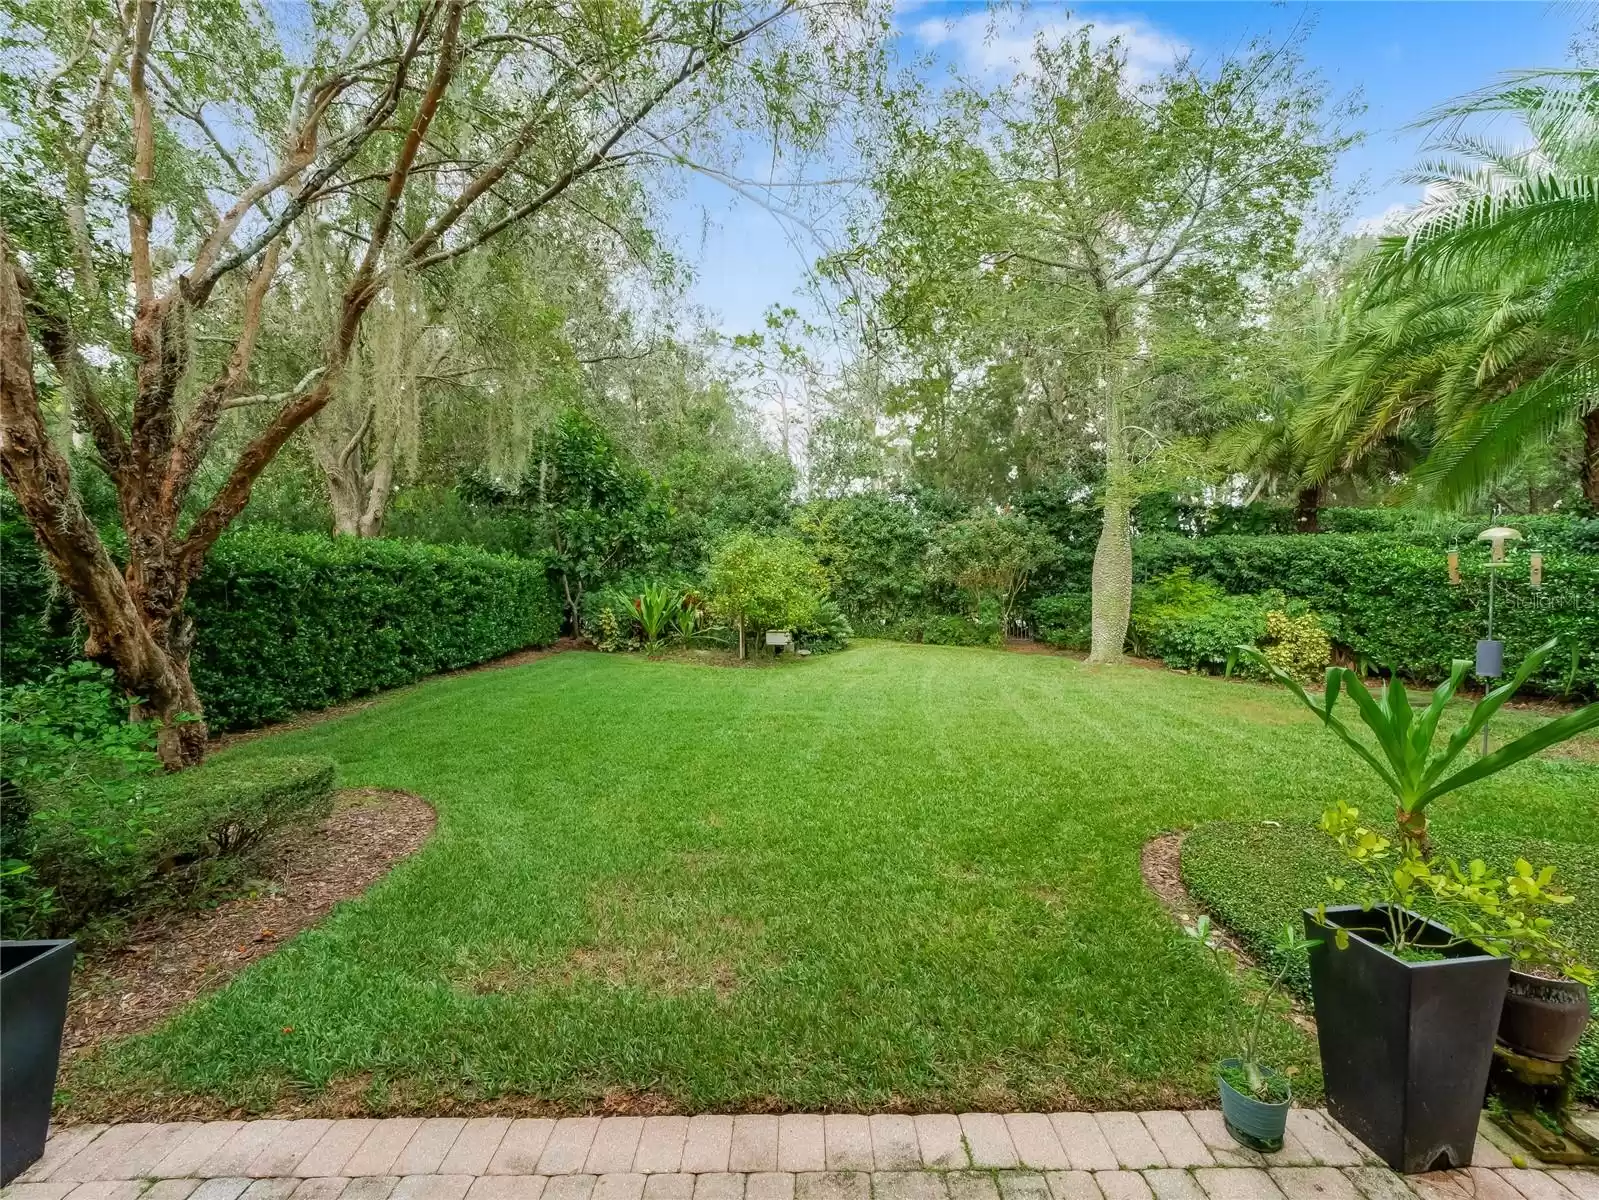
(1307, 510)
(134, 615)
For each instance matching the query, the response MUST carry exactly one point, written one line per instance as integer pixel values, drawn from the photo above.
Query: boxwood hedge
(290, 622)
(1390, 599)
(286, 623)
(1384, 596)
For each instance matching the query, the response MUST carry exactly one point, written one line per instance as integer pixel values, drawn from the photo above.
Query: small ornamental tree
(990, 557)
(764, 583)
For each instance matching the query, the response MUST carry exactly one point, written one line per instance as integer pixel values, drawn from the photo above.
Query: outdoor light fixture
(1491, 653)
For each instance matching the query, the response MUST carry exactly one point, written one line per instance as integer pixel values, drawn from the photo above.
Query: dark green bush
(1065, 619)
(1192, 624)
(827, 629)
(873, 550)
(117, 848)
(942, 630)
(36, 618)
(290, 622)
(1386, 598)
(1254, 877)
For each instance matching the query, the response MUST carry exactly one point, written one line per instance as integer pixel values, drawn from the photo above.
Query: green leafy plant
(1296, 645)
(688, 618)
(154, 840)
(657, 606)
(1503, 915)
(1251, 1076)
(759, 583)
(1408, 765)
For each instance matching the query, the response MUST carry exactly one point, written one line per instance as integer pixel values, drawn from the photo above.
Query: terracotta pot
(1543, 1018)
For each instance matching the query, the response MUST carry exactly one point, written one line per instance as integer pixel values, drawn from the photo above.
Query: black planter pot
(34, 978)
(1405, 1046)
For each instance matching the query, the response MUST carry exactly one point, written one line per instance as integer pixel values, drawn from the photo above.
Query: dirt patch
(1023, 646)
(167, 963)
(1161, 864)
(520, 658)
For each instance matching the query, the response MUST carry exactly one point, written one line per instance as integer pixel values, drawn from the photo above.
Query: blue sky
(1403, 57)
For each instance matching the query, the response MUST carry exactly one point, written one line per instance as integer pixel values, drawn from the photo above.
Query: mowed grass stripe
(900, 875)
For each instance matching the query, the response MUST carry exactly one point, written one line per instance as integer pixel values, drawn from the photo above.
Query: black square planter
(34, 978)
(1405, 1046)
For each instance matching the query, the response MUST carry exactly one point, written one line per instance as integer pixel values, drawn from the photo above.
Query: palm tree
(1479, 322)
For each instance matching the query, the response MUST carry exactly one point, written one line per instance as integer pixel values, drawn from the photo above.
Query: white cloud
(1389, 220)
(1002, 43)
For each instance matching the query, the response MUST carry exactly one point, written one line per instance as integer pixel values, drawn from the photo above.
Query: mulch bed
(1161, 864)
(166, 963)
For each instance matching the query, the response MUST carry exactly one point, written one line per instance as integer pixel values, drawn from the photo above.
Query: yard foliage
(1382, 597)
(759, 583)
(1222, 867)
(904, 874)
(290, 622)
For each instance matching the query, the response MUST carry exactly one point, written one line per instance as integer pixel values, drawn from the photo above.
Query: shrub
(1388, 599)
(1192, 624)
(71, 726)
(828, 629)
(1298, 646)
(36, 619)
(873, 551)
(1065, 619)
(989, 557)
(1254, 877)
(759, 583)
(959, 631)
(120, 848)
(289, 622)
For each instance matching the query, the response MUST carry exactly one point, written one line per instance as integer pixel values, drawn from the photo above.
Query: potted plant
(1255, 1097)
(1546, 1003)
(1410, 985)
(34, 978)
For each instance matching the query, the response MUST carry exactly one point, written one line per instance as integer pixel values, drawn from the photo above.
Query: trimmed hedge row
(288, 623)
(1383, 596)
(291, 622)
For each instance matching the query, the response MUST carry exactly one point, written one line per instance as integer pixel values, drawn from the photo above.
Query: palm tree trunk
(1307, 509)
(1590, 459)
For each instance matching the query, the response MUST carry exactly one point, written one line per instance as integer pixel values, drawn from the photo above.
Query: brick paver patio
(972, 1156)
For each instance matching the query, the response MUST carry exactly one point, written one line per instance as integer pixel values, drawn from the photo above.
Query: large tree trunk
(1590, 459)
(1112, 582)
(358, 497)
(134, 616)
(1307, 509)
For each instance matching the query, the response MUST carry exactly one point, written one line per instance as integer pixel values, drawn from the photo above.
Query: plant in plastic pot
(1255, 1098)
(1408, 981)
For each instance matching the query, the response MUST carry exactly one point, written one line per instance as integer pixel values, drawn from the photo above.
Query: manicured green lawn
(896, 876)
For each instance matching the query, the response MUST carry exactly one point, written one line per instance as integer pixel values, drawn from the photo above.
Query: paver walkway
(973, 1156)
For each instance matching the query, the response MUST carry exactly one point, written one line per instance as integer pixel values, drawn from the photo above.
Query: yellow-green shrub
(1297, 646)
